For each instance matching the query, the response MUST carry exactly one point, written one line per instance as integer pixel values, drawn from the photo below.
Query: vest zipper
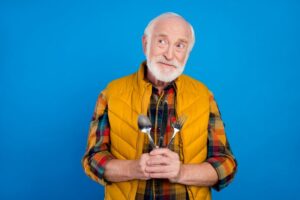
(155, 136)
(156, 117)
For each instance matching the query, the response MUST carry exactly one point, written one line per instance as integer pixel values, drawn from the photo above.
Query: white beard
(166, 74)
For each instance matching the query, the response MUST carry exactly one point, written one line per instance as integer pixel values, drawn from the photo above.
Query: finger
(160, 175)
(146, 176)
(145, 156)
(164, 152)
(156, 169)
(158, 160)
(156, 157)
(160, 151)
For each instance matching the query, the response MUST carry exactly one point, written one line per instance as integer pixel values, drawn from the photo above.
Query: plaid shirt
(162, 114)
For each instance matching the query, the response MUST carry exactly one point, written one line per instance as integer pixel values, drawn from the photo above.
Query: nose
(168, 54)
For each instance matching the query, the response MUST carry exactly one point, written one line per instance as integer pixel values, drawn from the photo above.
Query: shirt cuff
(224, 177)
(97, 164)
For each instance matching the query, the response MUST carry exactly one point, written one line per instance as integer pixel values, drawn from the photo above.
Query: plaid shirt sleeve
(219, 153)
(97, 151)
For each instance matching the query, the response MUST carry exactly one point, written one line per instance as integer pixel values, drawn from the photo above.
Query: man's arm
(98, 162)
(97, 153)
(219, 154)
(126, 170)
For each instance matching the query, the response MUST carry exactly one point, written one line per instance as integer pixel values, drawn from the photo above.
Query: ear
(144, 41)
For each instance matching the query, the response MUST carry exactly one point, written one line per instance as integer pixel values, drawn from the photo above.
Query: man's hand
(163, 163)
(126, 170)
(138, 169)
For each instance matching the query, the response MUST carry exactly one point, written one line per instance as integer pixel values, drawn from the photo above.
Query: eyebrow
(183, 40)
(165, 35)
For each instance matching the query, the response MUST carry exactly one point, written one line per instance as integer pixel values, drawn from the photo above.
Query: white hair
(149, 28)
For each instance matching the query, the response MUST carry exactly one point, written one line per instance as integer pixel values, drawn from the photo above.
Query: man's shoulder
(121, 84)
(123, 79)
(191, 83)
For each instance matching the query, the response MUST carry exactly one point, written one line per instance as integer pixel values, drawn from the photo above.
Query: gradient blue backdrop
(56, 56)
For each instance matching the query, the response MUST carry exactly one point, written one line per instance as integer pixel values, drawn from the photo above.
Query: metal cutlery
(177, 126)
(145, 126)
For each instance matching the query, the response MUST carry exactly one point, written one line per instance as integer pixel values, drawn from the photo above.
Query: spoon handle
(151, 141)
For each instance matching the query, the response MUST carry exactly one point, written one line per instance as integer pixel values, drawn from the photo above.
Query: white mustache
(161, 59)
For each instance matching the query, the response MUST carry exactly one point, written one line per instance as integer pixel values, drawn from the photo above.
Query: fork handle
(172, 138)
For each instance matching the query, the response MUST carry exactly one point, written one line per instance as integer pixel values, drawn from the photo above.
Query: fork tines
(179, 122)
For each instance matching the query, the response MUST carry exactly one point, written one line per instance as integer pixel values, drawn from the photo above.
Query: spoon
(145, 126)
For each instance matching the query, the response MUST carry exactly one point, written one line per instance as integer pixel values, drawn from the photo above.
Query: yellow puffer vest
(130, 96)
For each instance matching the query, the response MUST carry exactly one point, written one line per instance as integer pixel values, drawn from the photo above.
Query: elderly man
(120, 156)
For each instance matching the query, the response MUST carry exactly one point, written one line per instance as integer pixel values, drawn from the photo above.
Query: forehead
(172, 27)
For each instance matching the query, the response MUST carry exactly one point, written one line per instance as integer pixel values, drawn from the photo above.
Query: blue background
(56, 56)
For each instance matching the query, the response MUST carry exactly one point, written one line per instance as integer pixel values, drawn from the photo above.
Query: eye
(162, 41)
(180, 45)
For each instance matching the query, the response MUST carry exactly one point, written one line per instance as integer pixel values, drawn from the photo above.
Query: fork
(177, 126)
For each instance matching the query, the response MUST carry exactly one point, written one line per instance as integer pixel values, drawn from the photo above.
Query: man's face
(167, 48)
